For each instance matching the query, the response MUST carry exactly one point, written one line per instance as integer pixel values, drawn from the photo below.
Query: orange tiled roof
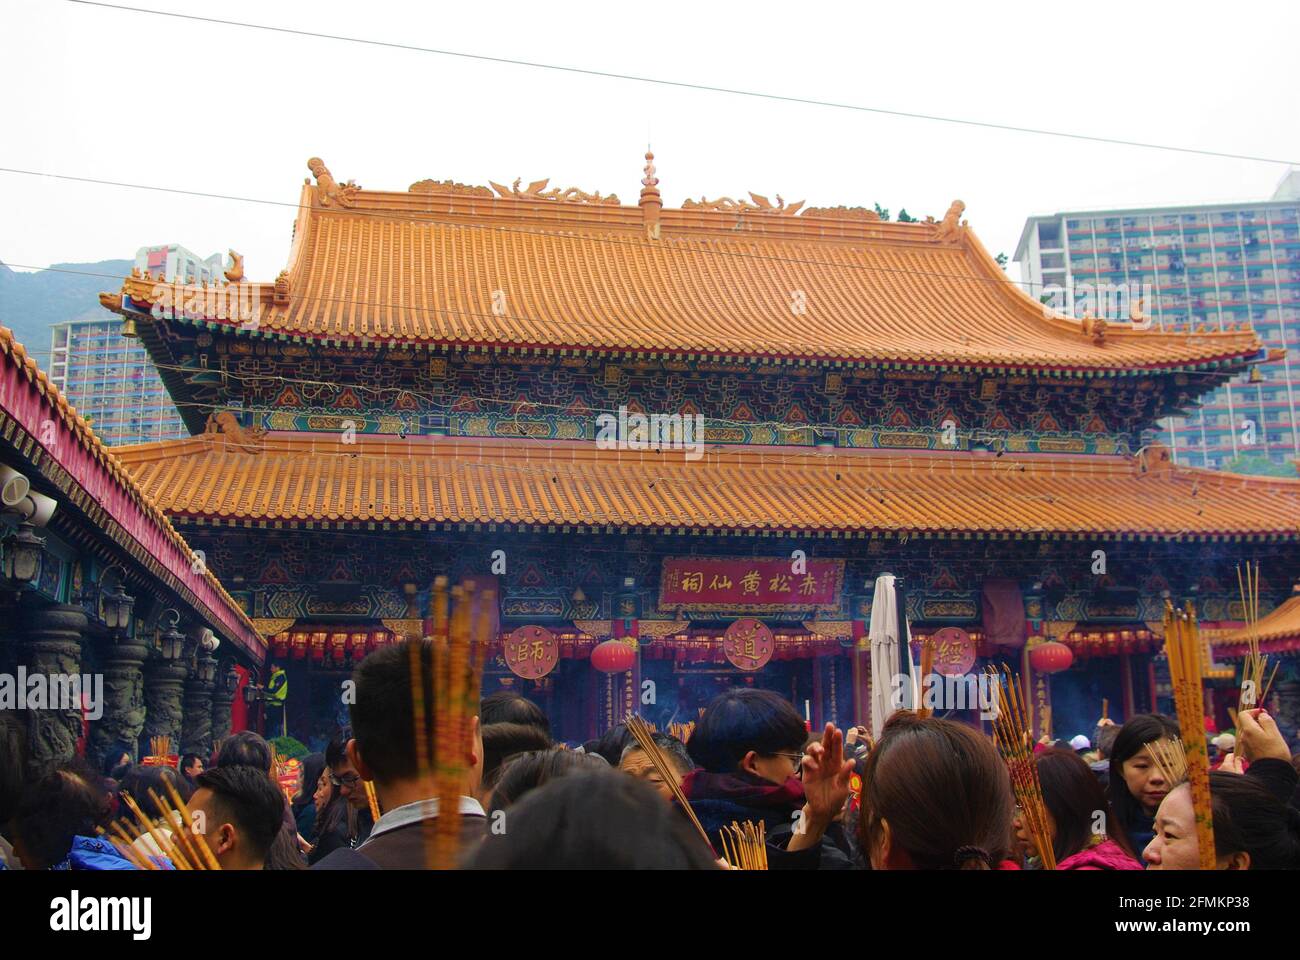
(450, 264)
(301, 477)
(1283, 623)
(16, 353)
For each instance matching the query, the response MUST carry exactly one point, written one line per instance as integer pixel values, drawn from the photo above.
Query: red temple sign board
(750, 586)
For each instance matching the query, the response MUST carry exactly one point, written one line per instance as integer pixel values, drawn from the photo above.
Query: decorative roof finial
(651, 203)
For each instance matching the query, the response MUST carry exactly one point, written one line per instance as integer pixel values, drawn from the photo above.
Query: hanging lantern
(1050, 657)
(298, 644)
(378, 638)
(357, 644)
(339, 646)
(281, 644)
(613, 656)
(318, 646)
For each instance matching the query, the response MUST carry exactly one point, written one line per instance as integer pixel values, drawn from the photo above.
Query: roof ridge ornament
(236, 272)
(760, 204)
(328, 189)
(650, 202)
(449, 186)
(950, 227)
(537, 191)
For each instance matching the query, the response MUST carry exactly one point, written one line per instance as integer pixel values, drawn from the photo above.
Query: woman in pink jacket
(1078, 816)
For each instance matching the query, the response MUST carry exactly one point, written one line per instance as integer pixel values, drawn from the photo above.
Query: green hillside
(30, 302)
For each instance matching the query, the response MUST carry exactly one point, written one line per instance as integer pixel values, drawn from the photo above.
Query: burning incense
(1255, 664)
(744, 845)
(682, 731)
(1183, 649)
(442, 735)
(1014, 743)
(645, 740)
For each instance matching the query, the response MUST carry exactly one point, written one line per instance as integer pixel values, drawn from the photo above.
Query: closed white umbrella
(891, 653)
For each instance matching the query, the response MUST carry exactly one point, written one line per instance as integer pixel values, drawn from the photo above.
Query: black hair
(600, 819)
(113, 756)
(611, 743)
(383, 711)
(245, 796)
(246, 749)
(672, 748)
(313, 765)
(1129, 742)
(510, 706)
(743, 719)
(526, 772)
(1104, 742)
(1249, 818)
(336, 751)
(140, 779)
(58, 807)
(1073, 796)
(120, 771)
(187, 760)
(503, 740)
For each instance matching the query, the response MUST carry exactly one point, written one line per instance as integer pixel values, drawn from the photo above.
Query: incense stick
(1183, 650)
(1013, 741)
(1170, 760)
(744, 845)
(200, 840)
(645, 740)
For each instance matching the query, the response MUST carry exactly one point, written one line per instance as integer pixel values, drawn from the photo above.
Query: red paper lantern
(357, 644)
(318, 646)
(298, 645)
(613, 656)
(281, 643)
(1050, 657)
(339, 646)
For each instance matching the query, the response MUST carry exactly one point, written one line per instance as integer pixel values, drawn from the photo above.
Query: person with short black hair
(239, 812)
(501, 741)
(593, 820)
(247, 748)
(510, 706)
(635, 763)
(383, 750)
(749, 745)
(191, 767)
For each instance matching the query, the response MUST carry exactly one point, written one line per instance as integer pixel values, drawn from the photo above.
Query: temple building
(114, 631)
(699, 432)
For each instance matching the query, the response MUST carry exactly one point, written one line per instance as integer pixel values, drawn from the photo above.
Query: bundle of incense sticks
(160, 746)
(186, 849)
(1254, 691)
(1170, 759)
(682, 731)
(640, 730)
(927, 666)
(1183, 649)
(452, 677)
(1012, 738)
(744, 845)
(372, 799)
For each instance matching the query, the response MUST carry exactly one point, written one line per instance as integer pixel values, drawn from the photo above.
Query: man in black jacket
(383, 750)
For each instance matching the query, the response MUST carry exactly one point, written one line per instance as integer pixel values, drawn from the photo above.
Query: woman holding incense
(1137, 784)
(748, 746)
(1077, 814)
(935, 796)
(1253, 829)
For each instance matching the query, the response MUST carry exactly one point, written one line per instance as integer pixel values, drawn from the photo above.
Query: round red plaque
(954, 652)
(748, 644)
(531, 652)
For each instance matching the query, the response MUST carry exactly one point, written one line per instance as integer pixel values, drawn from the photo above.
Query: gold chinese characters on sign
(748, 644)
(531, 652)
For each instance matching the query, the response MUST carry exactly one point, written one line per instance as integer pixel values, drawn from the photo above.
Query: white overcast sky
(145, 99)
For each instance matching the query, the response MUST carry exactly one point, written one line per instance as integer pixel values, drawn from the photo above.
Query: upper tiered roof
(536, 268)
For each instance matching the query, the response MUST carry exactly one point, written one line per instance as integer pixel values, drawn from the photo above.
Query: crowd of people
(929, 794)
